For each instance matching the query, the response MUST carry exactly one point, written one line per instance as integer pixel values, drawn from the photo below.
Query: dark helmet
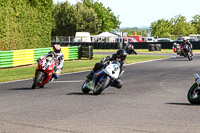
(121, 53)
(56, 48)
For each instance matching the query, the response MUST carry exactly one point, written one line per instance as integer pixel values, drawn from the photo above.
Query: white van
(82, 37)
(149, 39)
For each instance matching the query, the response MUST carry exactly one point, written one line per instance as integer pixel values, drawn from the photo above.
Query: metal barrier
(29, 56)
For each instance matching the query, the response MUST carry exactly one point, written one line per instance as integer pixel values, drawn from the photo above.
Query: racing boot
(118, 84)
(89, 76)
(52, 78)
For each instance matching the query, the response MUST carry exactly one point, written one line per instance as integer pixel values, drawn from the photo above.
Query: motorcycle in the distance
(43, 72)
(102, 78)
(185, 51)
(130, 49)
(194, 92)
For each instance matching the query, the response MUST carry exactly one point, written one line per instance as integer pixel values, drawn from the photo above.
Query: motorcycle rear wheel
(194, 94)
(36, 80)
(101, 86)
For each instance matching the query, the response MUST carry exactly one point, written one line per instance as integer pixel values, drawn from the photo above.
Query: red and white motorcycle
(43, 72)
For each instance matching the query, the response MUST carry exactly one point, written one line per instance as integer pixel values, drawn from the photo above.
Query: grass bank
(69, 66)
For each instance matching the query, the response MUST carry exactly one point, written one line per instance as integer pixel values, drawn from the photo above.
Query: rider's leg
(118, 83)
(96, 67)
(56, 75)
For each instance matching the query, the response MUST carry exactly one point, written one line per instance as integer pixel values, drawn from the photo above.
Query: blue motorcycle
(102, 78)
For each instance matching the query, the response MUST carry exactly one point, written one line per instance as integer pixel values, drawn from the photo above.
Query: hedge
(25, 24)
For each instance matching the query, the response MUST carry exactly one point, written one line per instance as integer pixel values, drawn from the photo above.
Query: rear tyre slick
(101, 86)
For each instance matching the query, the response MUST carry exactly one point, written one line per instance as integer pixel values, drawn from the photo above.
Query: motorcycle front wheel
(101, 85)
(37, 80)
(190, 56)
(84, 87)
(194, 94)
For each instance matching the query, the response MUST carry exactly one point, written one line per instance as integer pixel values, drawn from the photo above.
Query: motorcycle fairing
(91, 85)
(196, 78)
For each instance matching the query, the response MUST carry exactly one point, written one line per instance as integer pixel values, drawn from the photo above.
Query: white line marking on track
(89, 70)
(74, 81)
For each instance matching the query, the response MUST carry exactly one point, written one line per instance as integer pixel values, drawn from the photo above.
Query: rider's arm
(48, 54)
(190, 44)
(61, 61)
(105, 59)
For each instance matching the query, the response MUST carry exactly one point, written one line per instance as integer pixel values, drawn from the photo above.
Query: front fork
(196, 78)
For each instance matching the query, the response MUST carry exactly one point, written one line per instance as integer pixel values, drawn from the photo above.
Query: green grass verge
(27, 72)
(143, 50)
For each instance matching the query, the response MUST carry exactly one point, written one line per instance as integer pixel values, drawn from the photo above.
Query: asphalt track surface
(153, 100)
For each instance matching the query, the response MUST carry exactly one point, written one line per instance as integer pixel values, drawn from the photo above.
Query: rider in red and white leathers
(59, 59)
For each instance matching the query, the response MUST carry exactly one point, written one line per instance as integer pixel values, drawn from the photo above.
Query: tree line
(84, 16)
(177, 26)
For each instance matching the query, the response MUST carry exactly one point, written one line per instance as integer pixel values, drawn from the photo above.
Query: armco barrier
(30, 56)
(6, 59)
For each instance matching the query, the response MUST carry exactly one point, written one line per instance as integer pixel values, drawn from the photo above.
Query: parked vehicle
(129, 39)
(149, 39)
(102, 78)
(165, 40)
(43, 72)
(180, 39)
(137, 37)
(130, 49)
(193, 95)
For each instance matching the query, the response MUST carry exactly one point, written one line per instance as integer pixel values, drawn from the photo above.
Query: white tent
(109, 37)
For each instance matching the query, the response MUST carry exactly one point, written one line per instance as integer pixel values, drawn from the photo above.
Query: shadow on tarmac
(90, 94)
(21, 89)
(185, 104)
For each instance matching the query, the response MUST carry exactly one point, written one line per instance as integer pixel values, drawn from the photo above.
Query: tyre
(41, 86)
(100, 86)
(194, 94)
(190, 56)
(151, 47)
(37, 80)
(84, 87)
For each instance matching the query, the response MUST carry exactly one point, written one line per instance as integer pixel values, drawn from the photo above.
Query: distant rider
(130, 48)
(119, 56)
(187, 42)
(59, 59)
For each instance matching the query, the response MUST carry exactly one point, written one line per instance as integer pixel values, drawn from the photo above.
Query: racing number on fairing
(115, 67)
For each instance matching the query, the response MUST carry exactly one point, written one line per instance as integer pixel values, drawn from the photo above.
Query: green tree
(131, 31)
(108, 19)
(177, 26)
(87, 20)
(161, 28)
(181, 26)
(196, 22)
(64, 19)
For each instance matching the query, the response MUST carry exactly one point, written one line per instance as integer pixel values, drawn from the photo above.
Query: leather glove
(38, 60)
